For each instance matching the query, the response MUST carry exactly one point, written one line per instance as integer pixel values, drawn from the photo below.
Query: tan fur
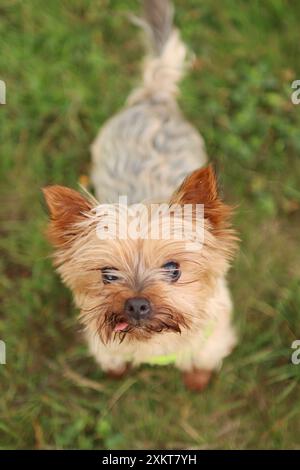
(181, 310)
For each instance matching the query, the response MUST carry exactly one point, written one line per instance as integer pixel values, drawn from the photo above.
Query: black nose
(137, 308)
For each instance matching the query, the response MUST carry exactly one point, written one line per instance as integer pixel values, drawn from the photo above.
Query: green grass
(69, 66)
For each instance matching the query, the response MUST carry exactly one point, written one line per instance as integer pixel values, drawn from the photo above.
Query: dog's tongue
(121, 326)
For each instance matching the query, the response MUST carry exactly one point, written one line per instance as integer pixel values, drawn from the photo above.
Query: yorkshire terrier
(149, 299)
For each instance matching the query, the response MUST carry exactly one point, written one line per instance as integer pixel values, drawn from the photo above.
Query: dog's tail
(167, 58)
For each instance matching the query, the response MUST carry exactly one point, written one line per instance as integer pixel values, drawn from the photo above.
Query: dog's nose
(137, 308)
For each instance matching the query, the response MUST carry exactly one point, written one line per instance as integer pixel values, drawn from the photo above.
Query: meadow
(68, 66)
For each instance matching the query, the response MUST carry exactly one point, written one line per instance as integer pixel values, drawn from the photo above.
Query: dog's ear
(200, 187)
(67, 208)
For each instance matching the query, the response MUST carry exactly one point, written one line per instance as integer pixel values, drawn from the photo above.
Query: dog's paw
(197, 379)
(118, 374)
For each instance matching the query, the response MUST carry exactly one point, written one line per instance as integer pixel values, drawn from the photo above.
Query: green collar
(167, 359)
(163, 360)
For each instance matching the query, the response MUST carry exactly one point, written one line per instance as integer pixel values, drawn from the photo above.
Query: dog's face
(135, 287)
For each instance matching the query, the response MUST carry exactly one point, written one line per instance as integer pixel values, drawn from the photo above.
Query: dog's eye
(108, 275)
(172, 271)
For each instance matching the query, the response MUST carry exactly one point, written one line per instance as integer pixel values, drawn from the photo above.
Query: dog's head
(139, 284)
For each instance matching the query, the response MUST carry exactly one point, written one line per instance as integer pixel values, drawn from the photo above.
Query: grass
(69, 66)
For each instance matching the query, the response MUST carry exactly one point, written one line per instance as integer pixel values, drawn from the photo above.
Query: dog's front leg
(109, 358)
(197, 379)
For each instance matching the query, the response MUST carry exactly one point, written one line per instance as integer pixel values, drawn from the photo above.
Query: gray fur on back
(146, 150)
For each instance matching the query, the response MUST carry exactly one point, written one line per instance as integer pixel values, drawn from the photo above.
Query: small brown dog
(143, 298)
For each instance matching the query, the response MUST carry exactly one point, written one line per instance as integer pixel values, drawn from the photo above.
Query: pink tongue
(121, 326)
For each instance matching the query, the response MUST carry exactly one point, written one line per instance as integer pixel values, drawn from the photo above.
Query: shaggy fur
(148, 152)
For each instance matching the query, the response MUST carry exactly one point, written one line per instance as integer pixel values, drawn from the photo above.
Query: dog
(143, 299)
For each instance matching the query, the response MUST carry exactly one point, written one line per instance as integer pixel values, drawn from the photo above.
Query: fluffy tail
(167, 59)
